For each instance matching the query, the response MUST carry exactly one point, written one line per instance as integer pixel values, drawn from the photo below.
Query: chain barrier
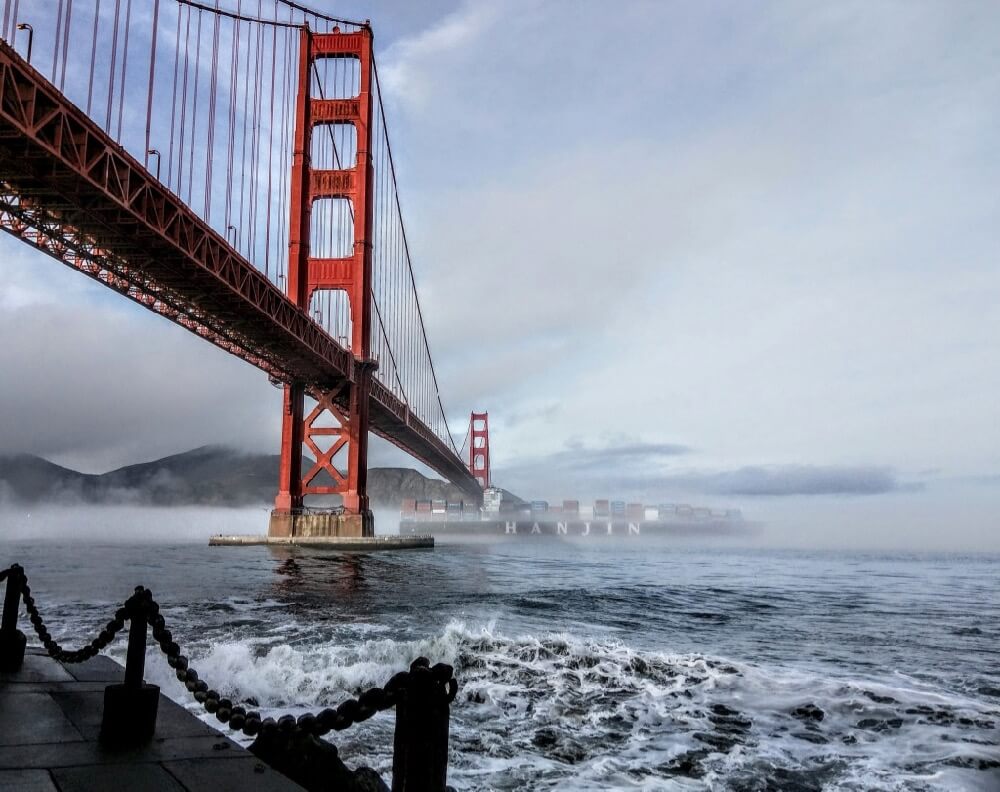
(141, 605)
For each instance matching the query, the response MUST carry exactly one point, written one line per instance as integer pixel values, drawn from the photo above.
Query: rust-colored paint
(352, 275)
(69, 190)
(479, 448)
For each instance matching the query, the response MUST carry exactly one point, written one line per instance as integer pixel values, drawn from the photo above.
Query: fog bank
(901, 522)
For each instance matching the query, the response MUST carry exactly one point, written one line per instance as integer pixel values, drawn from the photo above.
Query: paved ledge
(411, 542)
(50, 715)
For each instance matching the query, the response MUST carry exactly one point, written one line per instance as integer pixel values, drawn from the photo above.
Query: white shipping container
(492, 498)
(652, 514)
(586, 512)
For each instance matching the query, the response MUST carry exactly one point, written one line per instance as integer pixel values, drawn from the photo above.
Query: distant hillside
(211, 476)
(28, 479)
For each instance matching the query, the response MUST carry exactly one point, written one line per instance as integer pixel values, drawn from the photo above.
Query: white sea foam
(557, 710)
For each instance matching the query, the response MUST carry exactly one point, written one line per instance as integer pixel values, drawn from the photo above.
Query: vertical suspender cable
(252, 163)
(152, 74)
(390, 251)
(65, 48)
(194, 109)
(243, 153)
(121, 96)
(212, 96)
(392, 168)
(173, 101)
(111, 67)
(243, 138)
(270, 148)
(280, 249)
(386, 264)
(182, 127)
(231, 143)
(291, 43)
(384, 283)
(13, 21)
(93, 53)
(55, 49)
(256, 139)
(378, 281)
(249, 128)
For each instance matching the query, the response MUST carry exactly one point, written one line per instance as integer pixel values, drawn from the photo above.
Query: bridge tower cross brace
(351, 274)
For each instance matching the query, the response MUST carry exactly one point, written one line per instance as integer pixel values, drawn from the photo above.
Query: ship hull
(601, 527)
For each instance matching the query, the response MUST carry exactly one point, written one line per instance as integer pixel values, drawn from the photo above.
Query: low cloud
(789, 480)
(94, 382)
(980, 480)
(625, 469)
(645, 470)
(578, 457)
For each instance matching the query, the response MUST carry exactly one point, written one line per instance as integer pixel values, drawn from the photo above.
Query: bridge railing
(421, 697)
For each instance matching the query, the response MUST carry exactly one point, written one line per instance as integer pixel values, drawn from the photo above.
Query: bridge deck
(50, 716)
(68, 189)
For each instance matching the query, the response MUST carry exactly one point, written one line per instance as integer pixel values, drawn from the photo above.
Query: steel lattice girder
(68, 189)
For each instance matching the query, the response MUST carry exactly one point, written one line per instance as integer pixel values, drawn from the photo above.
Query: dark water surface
(591, 665)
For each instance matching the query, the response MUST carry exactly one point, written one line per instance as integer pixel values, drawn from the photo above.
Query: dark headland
(206, 476)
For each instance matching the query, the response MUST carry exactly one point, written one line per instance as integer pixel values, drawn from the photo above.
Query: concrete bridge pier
(312, 524)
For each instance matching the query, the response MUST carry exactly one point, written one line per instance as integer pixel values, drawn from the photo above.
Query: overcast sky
(735, 252)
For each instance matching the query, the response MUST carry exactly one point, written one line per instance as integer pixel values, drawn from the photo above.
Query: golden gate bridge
(228, 166)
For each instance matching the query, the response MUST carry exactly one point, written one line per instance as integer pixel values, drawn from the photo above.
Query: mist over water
(948, 517)
(585, 664)
(960, 517)
(125, 524)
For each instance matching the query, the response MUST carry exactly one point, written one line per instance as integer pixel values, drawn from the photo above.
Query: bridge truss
(296, 259)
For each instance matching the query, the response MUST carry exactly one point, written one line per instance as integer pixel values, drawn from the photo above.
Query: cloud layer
(747, 250)
(766, 233)
(649, 471)
(785, 480)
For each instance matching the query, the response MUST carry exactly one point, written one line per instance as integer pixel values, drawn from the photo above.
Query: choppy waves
(539, 712)
(610, 668)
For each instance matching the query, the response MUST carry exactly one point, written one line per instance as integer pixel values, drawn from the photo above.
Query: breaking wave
(593, 668)
(556, 710)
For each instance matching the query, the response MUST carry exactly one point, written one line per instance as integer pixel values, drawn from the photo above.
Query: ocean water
(587, 664)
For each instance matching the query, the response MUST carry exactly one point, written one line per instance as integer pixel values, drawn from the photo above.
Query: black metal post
(420, 745)
(130, 708)
(135, 656)
(149, 154)
(12, 599)
(12, 640)
(31, 37)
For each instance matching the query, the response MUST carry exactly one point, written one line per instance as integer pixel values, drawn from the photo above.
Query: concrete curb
(412, 542)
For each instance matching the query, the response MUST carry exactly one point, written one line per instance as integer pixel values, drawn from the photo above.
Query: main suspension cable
(237, 15)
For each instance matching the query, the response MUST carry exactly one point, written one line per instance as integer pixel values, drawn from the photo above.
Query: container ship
(571, 518)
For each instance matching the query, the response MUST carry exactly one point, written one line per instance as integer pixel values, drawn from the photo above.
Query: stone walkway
(50, 716)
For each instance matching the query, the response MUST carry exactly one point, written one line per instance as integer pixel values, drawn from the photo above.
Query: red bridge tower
(479, 448)
(350, 274)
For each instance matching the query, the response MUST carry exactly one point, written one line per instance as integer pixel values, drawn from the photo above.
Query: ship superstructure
(603, 517)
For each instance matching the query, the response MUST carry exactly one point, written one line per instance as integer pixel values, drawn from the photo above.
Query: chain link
(103, 638)
(141, 605)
